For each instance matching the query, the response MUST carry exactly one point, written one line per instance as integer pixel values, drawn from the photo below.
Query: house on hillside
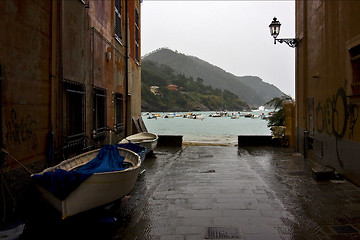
(154, 90)
(328, 84)
(172, 87)
(70, 78)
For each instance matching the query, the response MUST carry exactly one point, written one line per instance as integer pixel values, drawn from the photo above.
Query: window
(74, 112)
(99, 112)
(119, 112)
(118, 20)
(355, 65)
(137, 37)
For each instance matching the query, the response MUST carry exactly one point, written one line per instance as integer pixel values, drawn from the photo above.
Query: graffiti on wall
(20, 130)
(353, 111)
(336, 114)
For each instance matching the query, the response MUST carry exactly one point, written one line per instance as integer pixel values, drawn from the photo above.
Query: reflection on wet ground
(316, 208)
(217, 192)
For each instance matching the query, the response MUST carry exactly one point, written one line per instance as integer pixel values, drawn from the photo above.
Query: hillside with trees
(177, 92)
(251, 89)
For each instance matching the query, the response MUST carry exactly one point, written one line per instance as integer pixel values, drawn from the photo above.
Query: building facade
(328, 84)
(70, 77)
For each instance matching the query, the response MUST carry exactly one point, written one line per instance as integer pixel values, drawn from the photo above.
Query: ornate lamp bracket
(292, 42)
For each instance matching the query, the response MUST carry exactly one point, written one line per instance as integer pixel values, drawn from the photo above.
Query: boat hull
(145, 139)
(99, 189)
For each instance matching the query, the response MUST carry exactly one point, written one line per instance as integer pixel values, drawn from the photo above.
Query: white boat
(145, 139)
(172, 115)
(198, 116)
(98, 189)
(136, 148)
(12, 232)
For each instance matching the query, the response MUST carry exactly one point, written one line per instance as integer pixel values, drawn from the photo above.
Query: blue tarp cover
(61, 182)
(135, 148)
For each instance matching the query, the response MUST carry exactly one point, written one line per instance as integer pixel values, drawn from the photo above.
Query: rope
(17, 161)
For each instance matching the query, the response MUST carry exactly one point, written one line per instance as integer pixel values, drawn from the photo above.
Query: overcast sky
(233, 35)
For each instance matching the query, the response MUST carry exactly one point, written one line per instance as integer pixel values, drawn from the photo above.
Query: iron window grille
(137, 36)
(119, 112)
(99, 112)
(118, 35)
(74, 113)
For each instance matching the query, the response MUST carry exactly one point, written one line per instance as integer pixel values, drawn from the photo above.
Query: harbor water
(208, 129)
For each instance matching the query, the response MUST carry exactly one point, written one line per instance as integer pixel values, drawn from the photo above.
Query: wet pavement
(219, 192)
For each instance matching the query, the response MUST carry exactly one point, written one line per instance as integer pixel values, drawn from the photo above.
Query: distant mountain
(250, 89)
(162, 89)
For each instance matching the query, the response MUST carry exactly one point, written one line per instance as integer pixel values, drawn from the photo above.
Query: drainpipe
(2, 155)
(60, 80)
(305, 76)
(53, 83)
(297, 98)
(126, 68)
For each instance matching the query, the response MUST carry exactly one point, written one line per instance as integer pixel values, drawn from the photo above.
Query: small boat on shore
(89, 180)
(135, 148)
(12, 230)
(145, 139)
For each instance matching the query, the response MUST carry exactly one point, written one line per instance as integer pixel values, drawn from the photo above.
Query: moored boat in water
(215, 115)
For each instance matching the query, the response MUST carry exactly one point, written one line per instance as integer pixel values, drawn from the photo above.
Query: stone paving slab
(212, 187)
(265, 193)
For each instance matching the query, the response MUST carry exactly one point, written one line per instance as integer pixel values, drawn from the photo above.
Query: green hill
(188, 94)
(250, 89)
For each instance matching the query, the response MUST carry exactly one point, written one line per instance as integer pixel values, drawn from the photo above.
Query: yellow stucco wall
(327, 30)
(289, 109)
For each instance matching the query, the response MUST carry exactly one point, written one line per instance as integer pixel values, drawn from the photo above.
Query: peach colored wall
(135, 75)
(45, 42)
(25, 42)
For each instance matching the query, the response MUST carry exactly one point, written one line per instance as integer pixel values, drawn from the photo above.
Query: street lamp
(275, 30)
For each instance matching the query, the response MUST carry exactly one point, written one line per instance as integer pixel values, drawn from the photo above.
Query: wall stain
(21, 130)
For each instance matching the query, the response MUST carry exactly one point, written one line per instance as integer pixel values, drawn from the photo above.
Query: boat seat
(139, 124)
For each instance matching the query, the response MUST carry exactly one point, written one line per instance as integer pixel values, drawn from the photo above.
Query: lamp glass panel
(275, 28)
